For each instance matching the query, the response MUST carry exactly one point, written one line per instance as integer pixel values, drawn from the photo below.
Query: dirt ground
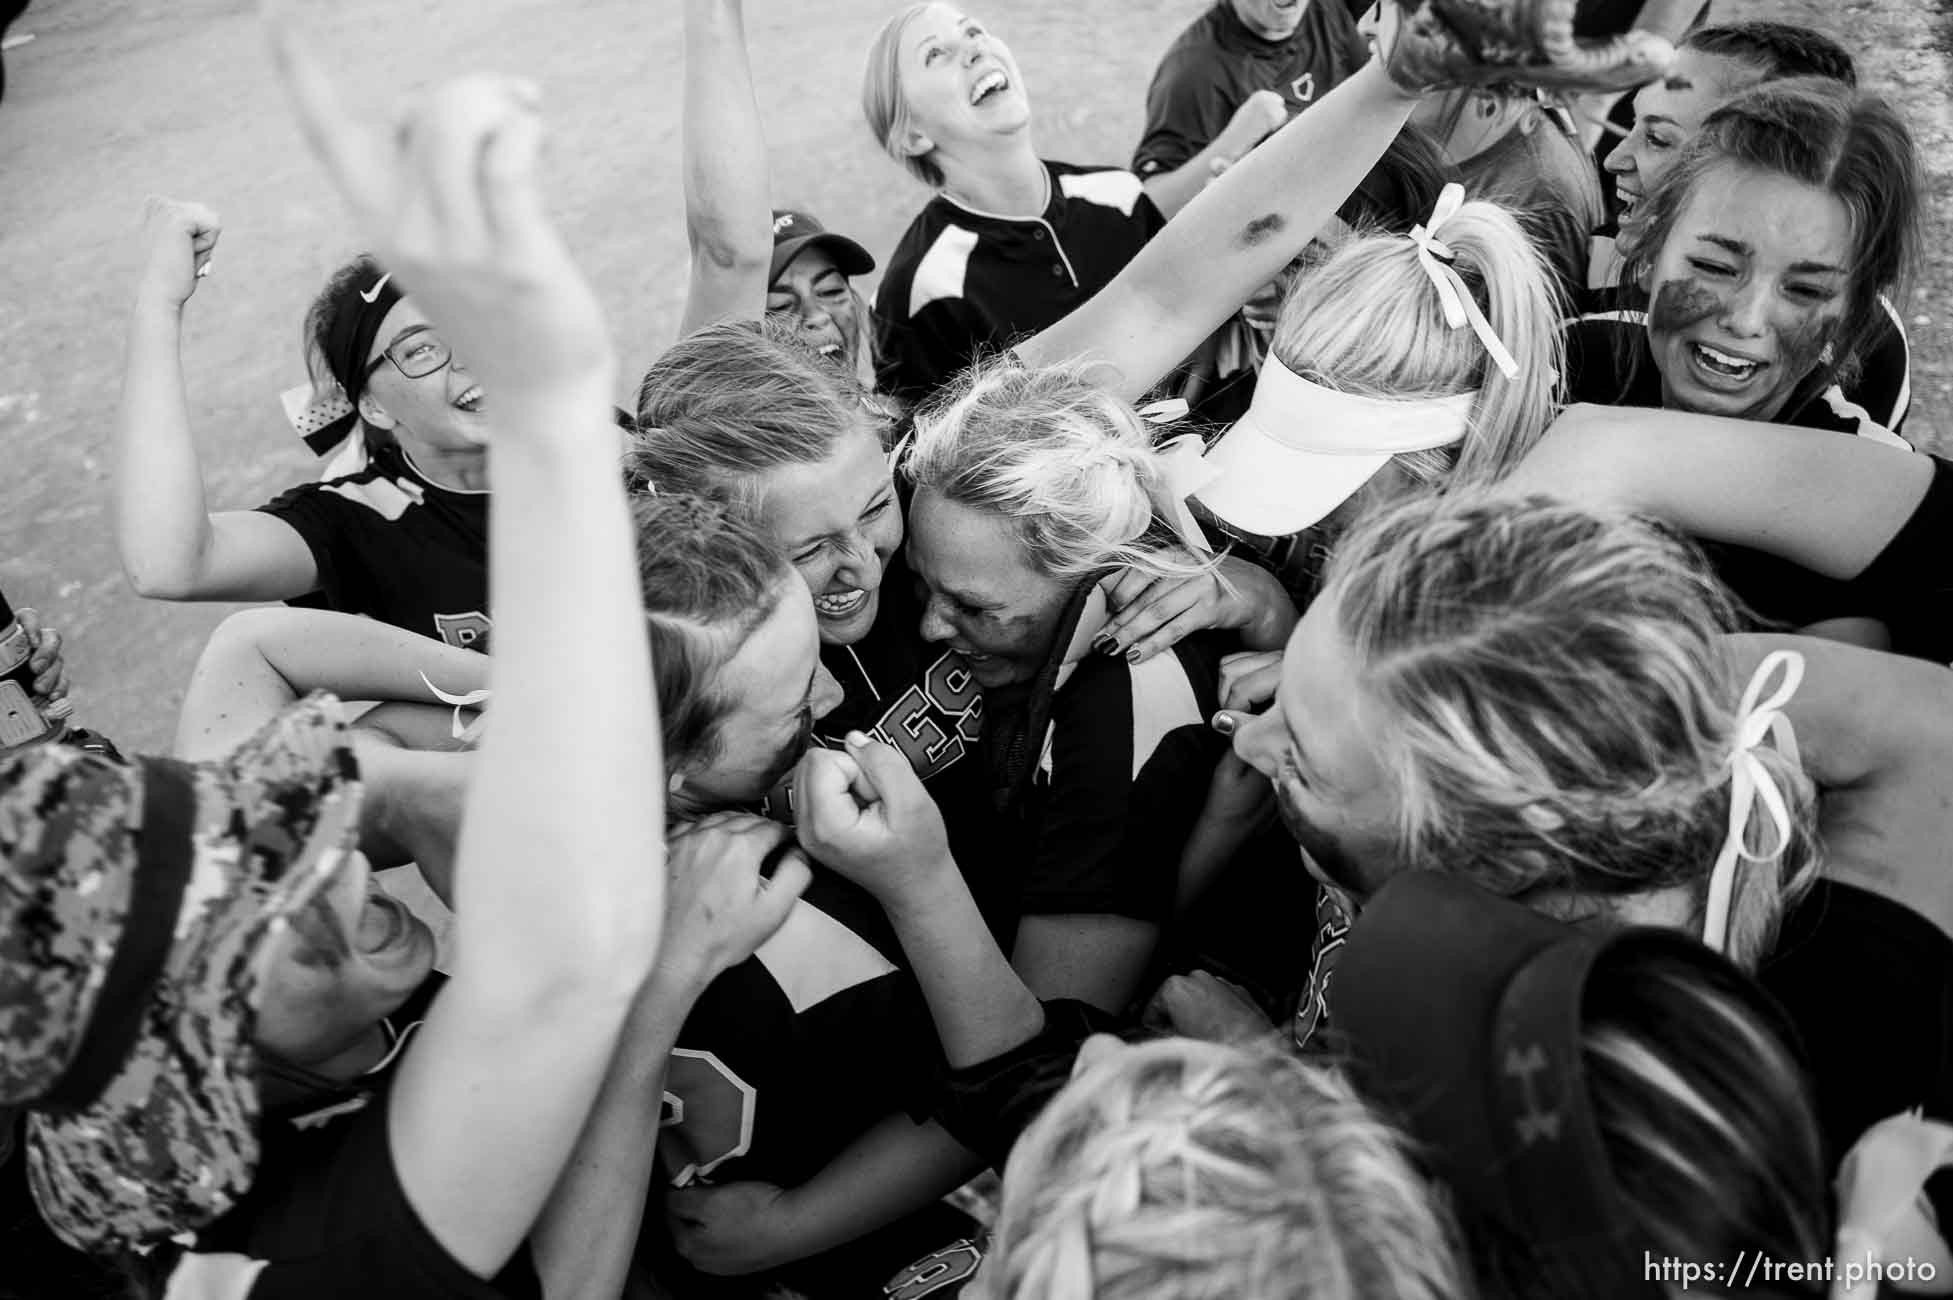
(115, 99)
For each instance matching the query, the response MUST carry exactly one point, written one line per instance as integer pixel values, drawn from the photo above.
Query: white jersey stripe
(942, 271)
(213, 1277)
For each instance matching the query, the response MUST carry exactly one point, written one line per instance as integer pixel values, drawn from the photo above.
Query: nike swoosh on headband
(371, 294)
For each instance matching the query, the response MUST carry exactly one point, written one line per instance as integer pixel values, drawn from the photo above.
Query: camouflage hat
(136, 900)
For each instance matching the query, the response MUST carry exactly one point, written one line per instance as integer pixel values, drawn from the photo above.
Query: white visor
(1302, 449)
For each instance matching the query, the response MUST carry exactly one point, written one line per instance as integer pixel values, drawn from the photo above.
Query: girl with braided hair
(1179, 1169)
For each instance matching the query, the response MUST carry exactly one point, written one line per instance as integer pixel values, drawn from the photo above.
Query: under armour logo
(372, 295)
(783, 222)
(1537, 1123)
(1303, 88)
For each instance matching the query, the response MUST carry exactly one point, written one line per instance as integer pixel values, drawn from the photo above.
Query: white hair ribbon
(458, 729)
(1751, 784)
(1882, 1214)
(1436, 257)
(1183, 472)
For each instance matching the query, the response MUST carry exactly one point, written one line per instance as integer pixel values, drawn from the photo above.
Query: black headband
(163, 858)
(355, 323)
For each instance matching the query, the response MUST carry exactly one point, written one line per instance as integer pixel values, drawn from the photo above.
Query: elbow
(158, 582)
(726, 249)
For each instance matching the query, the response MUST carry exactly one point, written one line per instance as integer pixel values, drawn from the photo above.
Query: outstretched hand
(448, 195)
(864, 812)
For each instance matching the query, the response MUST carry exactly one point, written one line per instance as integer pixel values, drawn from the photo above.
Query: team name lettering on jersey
(465, 631)
(711, 1115)
(934, 723)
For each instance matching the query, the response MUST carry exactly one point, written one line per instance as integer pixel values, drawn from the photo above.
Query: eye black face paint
(1681, 303)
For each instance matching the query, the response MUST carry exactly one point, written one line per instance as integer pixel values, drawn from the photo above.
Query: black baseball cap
(1461, 1015)
(794, 231)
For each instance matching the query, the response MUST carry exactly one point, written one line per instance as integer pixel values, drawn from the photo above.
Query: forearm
(979, 1004)
(587, 1233)
(1172, 191)
(260, 660)
(412, 807)
(727, 205)
(1826, 501)
(1091, 958)
(1232, 238)
(895, 1169)
(570, 646)
(162, 527)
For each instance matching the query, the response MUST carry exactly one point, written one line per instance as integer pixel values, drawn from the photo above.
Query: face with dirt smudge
(1748, 291)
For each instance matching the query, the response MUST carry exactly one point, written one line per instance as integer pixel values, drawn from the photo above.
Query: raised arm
(1827, 501)
(1235, 235)
(561, 866)
(172, 548)
(1232, 238)
(260, 660)
(728, 212)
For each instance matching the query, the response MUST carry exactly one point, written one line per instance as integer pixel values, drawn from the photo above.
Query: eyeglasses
(415, 354)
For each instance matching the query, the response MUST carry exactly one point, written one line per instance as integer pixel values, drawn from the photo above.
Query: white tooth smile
(840, 606)
(470, 398)
(1722, 363)
(989, 82)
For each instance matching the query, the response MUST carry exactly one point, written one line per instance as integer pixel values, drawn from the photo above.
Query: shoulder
(1113, 189)
(1607, 361)
(833, 942)
(328, 1216)
(377, 492)
(930, 265)
(1196, 55)
(1116, 717)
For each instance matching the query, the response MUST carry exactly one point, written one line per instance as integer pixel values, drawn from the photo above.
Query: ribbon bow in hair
(1437, 259)
(460, 730)
(1751, 784)
(1184, 471)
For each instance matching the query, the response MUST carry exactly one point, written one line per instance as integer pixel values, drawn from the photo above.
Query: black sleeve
(987, 1106)
(1182, 108)
(1910, 582)
(1869, 985)
(1110, 841)
(315, 515)
(373, 1245)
